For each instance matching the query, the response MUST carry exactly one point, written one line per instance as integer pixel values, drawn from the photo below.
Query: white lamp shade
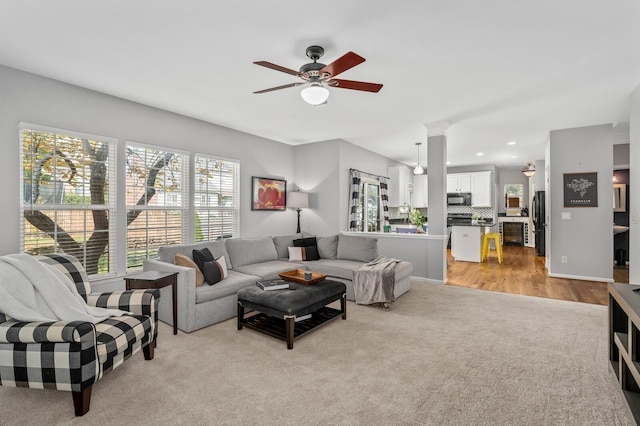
(298, 200)
(315, 94)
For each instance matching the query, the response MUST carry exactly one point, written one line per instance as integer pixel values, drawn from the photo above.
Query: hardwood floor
(522, 272)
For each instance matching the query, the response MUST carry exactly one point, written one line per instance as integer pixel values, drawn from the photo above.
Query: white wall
(587, 238)
(634, 188)
(38, 100)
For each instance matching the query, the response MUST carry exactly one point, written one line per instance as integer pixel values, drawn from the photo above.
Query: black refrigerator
(539, 224)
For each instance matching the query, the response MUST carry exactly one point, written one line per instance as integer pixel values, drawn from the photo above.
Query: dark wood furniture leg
(343, 306)
(148, 350)
(174, 286)
(291, 324)
(81, 401)
(240, 315)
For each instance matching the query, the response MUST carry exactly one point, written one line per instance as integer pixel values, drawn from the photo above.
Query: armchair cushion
(115, 335)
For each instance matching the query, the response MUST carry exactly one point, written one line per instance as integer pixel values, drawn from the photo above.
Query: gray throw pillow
(353, 247)
(328, 247)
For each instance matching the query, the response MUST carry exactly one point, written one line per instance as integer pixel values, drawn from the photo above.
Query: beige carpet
(442, 356)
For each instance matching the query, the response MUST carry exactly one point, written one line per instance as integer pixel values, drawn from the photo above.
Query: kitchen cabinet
(481, 194)
(459, 182)
(399, 191)
(420, 191)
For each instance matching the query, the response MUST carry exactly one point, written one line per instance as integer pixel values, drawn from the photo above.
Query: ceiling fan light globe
(315, 94)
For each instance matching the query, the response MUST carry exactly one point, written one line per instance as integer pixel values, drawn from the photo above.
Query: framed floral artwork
(268, 194)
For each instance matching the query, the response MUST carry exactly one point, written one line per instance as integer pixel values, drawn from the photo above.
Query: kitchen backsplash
(485, 212)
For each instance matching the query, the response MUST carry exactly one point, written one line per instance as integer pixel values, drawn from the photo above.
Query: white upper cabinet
(399, 186)
(459, 182)
(481, 189)
(420, 191)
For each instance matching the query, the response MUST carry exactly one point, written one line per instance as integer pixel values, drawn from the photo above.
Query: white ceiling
(497, 70)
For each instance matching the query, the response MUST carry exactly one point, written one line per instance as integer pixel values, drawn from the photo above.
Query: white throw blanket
(31, 291)
(374, 282)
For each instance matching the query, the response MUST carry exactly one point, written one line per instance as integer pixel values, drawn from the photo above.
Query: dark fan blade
(340, 65)
(355, 85)
(280, 87)
(277, 67)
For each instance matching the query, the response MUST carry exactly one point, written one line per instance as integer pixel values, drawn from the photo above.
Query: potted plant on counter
(416, 218)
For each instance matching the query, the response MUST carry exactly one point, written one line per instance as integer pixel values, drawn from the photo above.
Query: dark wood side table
(156, 279)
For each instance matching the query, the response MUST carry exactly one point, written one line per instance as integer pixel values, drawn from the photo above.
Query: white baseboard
(427, 280)
(580, 277)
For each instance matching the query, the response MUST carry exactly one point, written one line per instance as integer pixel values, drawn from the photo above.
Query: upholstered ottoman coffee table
(290, 313)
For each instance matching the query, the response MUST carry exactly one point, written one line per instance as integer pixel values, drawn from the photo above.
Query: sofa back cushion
(247, 251)
(283, 242)
(328, 247)
(217, 248)
(353, 247)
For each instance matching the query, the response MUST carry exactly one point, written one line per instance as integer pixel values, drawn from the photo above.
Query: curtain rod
(370, 174)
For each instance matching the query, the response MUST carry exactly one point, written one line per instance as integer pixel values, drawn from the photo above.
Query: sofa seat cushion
(333, 267)
(344, 268)
(269, 270)
(116, 334)
(230, 285)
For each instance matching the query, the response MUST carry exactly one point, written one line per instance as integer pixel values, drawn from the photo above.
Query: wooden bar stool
(495, 236)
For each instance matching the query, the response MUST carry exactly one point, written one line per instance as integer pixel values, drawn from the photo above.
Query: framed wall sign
(581, 189)
(268, 194)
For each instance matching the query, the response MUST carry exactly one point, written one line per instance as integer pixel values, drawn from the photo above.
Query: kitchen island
(466, 241)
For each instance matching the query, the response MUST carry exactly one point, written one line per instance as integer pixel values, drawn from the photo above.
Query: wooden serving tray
(297, 276)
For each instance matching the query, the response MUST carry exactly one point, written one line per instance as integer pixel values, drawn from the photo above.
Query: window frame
(110, 205)
(198, 197)
(183, 207)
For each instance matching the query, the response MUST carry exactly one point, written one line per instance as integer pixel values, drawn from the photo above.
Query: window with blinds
(157, 200)
(216, 198)
(68, 195)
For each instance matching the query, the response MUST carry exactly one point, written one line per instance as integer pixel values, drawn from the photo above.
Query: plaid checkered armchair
(72, 355)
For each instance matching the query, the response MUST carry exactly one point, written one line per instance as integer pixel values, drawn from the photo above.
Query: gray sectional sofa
(251, 259)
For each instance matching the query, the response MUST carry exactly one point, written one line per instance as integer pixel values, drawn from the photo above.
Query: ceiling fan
(317, 76)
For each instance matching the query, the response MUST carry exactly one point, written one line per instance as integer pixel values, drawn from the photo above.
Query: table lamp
(298, 200)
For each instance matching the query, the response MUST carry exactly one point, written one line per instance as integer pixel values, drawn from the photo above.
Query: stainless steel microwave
(459, 199)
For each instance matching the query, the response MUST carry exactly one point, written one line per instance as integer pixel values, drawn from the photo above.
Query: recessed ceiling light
(480, 154)
(511, 143)
(448, 162)
(513, 156)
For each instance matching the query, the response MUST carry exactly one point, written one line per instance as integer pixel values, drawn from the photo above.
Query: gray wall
(621, 157)
(587, 238)
(508, 176)
(317, 171)
(37, 100)
(634, 188)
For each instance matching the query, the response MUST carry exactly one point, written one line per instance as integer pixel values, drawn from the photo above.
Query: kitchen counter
(479, 224)
(466, 241)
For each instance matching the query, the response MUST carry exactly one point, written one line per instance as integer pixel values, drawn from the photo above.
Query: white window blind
(216, 198)
(67, 196)
(157, 200)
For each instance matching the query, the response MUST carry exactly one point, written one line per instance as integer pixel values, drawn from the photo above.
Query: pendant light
(530, 170)
(418, 170)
